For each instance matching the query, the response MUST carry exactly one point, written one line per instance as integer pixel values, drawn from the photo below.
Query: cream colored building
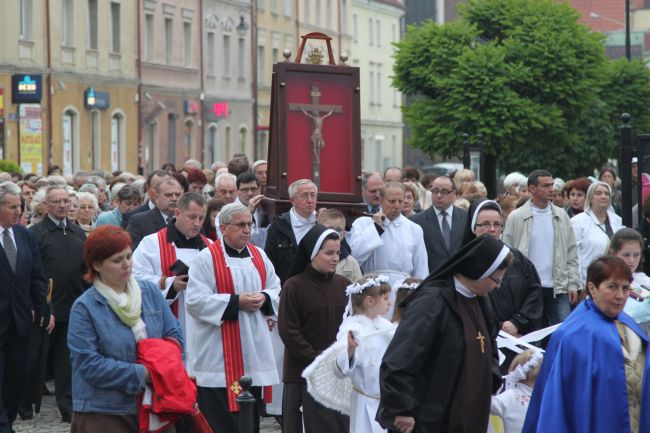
(91, 47)
(331, 17)
(277, 30)
(375, 26)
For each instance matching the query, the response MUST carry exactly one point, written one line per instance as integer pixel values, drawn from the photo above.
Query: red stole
(230, 336)
(168, 258)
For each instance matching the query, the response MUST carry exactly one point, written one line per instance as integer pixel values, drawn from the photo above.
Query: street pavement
(49, 420)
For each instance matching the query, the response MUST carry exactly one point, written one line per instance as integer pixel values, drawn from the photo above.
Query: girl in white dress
(368, 334)
(512, 404)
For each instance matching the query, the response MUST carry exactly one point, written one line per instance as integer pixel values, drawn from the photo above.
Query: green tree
(526, 76)
(9, 166)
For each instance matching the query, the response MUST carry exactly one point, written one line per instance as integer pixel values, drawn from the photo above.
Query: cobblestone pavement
(49, 420)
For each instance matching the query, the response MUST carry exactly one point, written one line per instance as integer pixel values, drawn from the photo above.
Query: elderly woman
(518, 301)
(37, 207)
(74, 206)
(88, 208)
(608, 175)
(577, 190)
(410, 199)
(594, 377)
(595, 226)
(106, 322)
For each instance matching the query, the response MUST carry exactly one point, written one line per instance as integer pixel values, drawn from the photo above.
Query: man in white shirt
(232, 290)
(544, 233)
(180, 240)
(388, 242)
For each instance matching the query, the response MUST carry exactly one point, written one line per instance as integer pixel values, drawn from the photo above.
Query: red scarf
(230, 336)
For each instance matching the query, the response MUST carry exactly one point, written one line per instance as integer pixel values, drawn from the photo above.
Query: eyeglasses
(307, 195)
(490, 225)
(59, 201)
(442, 192)
(241, 226)
(247, 190)
(495, 280)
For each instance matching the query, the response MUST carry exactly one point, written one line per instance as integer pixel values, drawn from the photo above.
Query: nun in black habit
(441, 368)
(312, 303)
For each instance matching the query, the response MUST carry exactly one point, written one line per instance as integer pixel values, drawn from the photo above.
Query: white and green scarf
(127, 305)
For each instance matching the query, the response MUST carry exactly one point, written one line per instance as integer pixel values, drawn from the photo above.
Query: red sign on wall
(216, 110)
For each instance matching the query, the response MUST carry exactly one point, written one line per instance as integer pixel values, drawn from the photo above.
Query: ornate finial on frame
(316, 56)
(286, 54)
(343, 58)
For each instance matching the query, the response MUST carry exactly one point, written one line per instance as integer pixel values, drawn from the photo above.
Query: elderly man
(231, 292)
(388, 242)
(225, 187)
(286, 231)
(61, 244)
(372, 184)
(259, 169)
(168, 191)
(393, 174)
(22, 302)
(181, 239)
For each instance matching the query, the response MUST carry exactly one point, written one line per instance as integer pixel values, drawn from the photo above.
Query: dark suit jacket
(137, 210)
(143, 224)
(435, 244)
(25, 290)
(62, 257)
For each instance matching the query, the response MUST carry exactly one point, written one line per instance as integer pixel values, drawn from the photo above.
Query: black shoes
(25, 413)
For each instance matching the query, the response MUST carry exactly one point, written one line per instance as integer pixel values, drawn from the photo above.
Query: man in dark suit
(150, 186)
(443, 223)
(168, 191)
(22, 297)
(61, 244)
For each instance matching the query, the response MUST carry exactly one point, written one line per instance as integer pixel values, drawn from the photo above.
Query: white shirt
(146, 266)
(449, 210)
(205, 308)
(511, 406)
(399, 252)
(591, 238)
(540, 251)
(363, 369)
(301, 225)
(11, 233)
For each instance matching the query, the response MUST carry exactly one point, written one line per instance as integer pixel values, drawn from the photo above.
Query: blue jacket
(103, 351)
(581, 385)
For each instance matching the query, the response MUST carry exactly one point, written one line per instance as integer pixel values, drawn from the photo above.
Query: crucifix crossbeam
(317, 112)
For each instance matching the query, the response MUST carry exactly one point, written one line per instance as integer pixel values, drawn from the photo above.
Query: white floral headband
(521, 371)
(355, 288)
(403, 285)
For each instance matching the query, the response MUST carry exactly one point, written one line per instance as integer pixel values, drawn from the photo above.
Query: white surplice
(399, 252)
(205, 308)
(363, 368)
(146, 266)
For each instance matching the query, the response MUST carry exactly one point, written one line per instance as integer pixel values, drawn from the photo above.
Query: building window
(378, 29)
(243, 140)
(169, 41)
(226, 55)
(394, 98)
(260, 63)
(213, 145)
(118, 149)
(211, 48)
(372, 85)
(355, 28)
(116, 28)
(96, 139)
(68, 23)
(151, 146)
(287, 8)
(92, 24)
(344, 17)
(370, 32)
(171, 138)
(26, 19)
(275, 7)
(378, 92)
(148, 36)
(228, 143)
(188, 140)
(187, 43)
(70, 145)
(318, 12)
(241, 60)
(307, 11)
(328, 13)
(275, 55)
(394, 32)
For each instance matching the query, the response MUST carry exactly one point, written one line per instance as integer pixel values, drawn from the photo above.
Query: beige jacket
(349, 268)
(566, 269)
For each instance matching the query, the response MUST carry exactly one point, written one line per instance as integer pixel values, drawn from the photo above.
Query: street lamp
(597, 16)
(242, 27)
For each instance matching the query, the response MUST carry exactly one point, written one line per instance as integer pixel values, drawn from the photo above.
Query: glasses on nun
(495, 280)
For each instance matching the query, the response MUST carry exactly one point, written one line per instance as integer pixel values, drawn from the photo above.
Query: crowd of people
(404, 303)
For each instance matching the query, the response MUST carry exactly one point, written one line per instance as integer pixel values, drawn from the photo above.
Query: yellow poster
(30, 131)
(2, 103)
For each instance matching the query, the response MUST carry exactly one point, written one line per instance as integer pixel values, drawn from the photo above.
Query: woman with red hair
(106, 322)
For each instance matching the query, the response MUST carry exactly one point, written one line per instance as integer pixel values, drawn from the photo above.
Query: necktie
(62, 226)
(446, 230)
(10, 249)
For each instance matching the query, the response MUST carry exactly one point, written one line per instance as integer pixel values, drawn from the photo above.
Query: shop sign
(30, 132)
(26, 88)
(191, 107)
(96, 100)
(216, 110)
